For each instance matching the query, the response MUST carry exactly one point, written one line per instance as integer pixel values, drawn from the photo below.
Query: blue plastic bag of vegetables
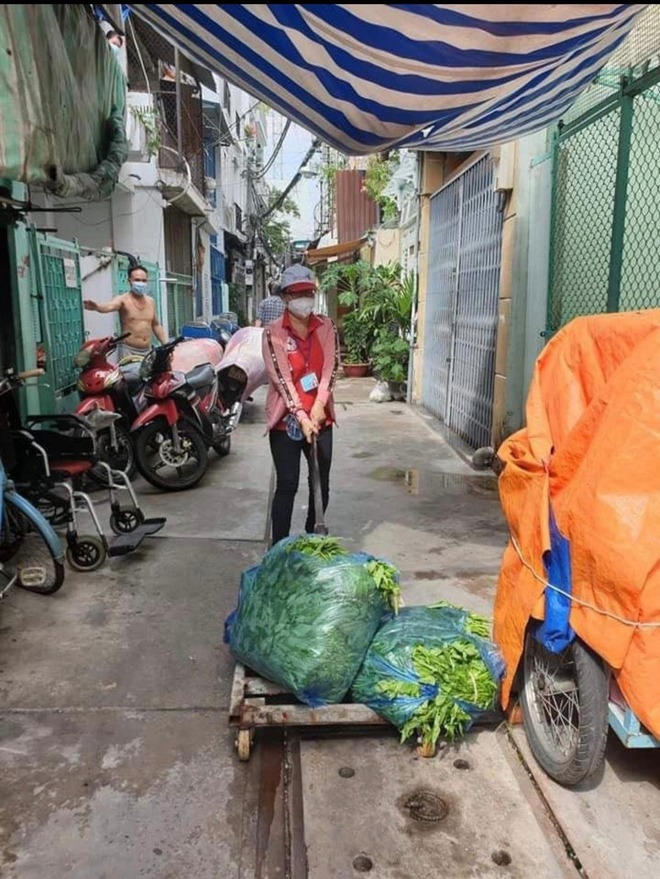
(307, 614)
(431, 671)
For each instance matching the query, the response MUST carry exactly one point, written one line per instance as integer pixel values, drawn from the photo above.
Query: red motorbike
(105, 388)
(187, 413)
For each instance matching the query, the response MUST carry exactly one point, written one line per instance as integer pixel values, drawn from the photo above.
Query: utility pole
(179, 126)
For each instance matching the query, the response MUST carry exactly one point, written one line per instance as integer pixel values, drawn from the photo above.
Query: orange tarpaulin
(591, 451)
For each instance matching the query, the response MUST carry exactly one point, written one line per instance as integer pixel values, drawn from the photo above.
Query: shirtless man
(137, 313)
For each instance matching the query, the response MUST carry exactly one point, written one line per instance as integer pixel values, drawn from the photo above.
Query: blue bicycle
(31, 553)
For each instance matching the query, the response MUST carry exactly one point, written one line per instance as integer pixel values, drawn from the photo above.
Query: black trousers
(286, 457)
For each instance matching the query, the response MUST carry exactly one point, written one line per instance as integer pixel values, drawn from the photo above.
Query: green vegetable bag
(431, 671)
(307, 614)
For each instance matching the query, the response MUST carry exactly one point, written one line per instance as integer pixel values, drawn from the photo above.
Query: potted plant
(376, 326)
(390, 355)
(355, 332)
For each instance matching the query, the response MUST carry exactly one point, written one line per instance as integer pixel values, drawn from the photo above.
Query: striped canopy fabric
(367, 78)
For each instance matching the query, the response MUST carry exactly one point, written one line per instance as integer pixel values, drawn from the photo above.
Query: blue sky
(306, 193)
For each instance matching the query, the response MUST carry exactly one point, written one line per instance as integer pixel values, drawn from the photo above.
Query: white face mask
(301, 307)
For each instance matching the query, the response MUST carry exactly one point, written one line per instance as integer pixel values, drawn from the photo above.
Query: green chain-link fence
(606, 200)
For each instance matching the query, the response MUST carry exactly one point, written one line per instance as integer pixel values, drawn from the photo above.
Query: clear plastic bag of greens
(430, 671)
(307, 614)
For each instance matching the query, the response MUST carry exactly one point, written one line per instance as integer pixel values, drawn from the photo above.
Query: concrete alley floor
(116, 761)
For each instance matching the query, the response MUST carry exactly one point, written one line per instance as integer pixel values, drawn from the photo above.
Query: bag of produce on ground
(307, 614)
(431, 671)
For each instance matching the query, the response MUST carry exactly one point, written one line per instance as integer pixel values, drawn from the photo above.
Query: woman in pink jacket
(301, 354)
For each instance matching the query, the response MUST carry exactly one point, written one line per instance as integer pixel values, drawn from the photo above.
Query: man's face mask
(138, 287)
(114, 48)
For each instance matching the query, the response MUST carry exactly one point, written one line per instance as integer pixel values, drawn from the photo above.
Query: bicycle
(31, 554)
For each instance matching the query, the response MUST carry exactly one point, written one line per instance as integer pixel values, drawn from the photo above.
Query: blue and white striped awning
(366, 78)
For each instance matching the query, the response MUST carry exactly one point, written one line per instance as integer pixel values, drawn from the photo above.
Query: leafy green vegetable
(386, 578)
(305, 618)
(475, 623)
(460, 674)
(428, 674)
(326, 548)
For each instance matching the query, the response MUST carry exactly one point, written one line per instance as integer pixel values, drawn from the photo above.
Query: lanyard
(282, 381)
(305, 347)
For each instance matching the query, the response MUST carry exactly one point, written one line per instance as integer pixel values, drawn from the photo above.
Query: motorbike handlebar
(122, 337)
(172, 343)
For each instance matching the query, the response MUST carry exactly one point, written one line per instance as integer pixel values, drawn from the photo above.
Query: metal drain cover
(426, 806)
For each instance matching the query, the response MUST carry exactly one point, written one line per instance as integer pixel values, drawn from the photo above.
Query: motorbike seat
(200, 376)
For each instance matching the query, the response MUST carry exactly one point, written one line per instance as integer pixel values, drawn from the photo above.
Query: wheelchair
(53, 454)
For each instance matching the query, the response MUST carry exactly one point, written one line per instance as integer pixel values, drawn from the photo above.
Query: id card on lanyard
(309, 382)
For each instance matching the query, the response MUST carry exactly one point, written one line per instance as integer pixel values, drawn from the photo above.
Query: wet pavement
(116, 760)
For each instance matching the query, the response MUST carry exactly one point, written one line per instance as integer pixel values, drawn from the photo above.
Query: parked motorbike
(104, 387)
(220, 332)
(186, 414)
(243, 364)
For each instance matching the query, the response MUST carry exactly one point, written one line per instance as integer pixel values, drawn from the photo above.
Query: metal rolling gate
(462, 304)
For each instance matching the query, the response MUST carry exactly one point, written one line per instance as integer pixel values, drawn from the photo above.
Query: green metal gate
(57, 316)
(180, 302)
(606, 206)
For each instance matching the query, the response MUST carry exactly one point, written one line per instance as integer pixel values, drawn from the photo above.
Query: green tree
(277, 230)
(378, 174)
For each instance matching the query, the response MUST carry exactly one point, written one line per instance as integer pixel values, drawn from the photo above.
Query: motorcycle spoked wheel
(122, 458)
(162, 466)
(565, 702)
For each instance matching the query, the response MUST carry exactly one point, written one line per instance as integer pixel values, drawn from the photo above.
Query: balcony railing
(183, 129)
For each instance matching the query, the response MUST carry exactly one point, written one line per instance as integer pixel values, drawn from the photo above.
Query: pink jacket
(282, 395)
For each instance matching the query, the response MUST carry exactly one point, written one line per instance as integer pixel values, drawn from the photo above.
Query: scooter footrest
(125, 543)
(152, 526)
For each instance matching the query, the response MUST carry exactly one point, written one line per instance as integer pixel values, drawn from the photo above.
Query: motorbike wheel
(160, 464)
(24, 549)
(123, 458)
(223, 447)
(564, 702)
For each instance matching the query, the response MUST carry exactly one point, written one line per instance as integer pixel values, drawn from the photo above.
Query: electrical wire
(222, 141)
(296, 177)
(278, 146)
(634, 623)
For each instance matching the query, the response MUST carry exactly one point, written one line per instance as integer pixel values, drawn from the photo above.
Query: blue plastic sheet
(555, 632)
(390, 658)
